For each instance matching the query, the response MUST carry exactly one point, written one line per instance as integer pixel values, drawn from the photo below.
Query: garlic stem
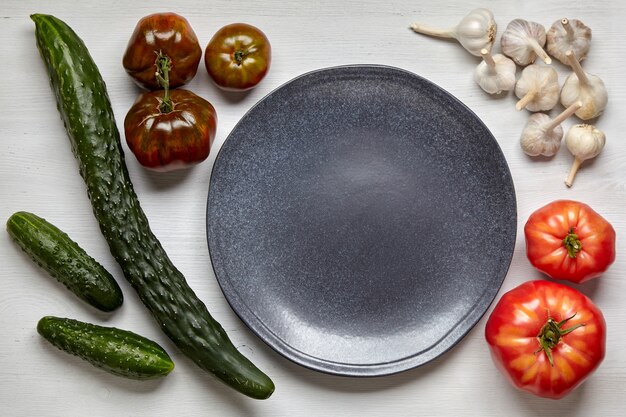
(539, 50)
(572, 173)
(578, 70)
(431, 31)
(564, 115)
(568, 29)
(528, 97)
(488, 58)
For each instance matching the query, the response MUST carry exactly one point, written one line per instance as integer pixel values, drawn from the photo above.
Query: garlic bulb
(588, 88)
(565, 35)
(496, 73)
(542, 135)
(474, 32)
(584, 142)
(523, 41)
(537, 88)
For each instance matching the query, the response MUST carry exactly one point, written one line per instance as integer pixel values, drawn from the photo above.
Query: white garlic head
(585, 141)
(568, 34)
(538, 138)
(587, 88)
(523, 41)
(496, 73)
(477, 31)
(537, 88)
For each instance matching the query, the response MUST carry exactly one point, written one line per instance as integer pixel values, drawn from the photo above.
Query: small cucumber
(53, 250)
(117, 351)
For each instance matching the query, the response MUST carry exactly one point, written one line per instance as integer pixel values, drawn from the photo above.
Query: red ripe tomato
(568, 240)
(162, 33)
(547, 338)
(238, 57)
(165, 140)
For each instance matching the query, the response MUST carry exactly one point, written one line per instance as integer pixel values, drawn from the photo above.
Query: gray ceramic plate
(360, 220)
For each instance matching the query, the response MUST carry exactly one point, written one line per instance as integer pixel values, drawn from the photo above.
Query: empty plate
(360, 220)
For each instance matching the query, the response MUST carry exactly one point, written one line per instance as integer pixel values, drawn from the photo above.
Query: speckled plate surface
(360, 220)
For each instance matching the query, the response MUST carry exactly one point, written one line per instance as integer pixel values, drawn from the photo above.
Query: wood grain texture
(38, 173)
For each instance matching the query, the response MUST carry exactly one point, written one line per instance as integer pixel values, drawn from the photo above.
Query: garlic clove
(496, 73)
(584, 142)
(476, 31)
(523, 41)
(537, 88)
(542, 135)
(565, 35)
(584, 87)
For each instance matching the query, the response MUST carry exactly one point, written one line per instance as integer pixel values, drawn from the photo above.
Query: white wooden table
(38, 173)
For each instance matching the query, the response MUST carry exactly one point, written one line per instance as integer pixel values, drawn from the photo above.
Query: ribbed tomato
(167, 34)
(546, 337)
(568, 240)
(238, 57)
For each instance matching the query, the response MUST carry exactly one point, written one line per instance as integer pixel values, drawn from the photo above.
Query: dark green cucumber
(85, 108)
(58, 254)
(117, 351)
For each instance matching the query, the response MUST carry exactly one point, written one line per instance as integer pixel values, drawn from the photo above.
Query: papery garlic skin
(523, 41)
(584, 141)
(568, 34)
(592, 93)
(497, 76)
(476, 31)
(537, 139)
(537, 88)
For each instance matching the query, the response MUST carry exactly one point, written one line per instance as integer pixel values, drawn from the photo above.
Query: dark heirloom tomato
(547, 338)
(172, 36)
(168, 140)
(568, 240)
(238, 56)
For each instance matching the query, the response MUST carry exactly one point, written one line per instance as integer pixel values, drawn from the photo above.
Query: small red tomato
(168, 34)
(546, 337)
(167, 140)
(568, 240)
(238, 57)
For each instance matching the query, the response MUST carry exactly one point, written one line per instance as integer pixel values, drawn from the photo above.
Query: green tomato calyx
(551, 333)
(572, 243)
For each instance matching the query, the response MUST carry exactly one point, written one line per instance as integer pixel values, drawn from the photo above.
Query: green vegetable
(85, 108)
(117, 351)
(65, 260)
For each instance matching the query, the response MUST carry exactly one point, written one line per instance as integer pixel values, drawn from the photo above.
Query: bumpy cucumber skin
(58, 254)
(85, 108)
(117, 351)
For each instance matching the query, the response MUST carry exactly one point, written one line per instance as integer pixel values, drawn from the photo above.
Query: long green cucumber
(85, 108)
(117, 351)
(65, 260)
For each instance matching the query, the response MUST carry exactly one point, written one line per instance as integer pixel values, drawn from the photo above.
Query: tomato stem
(551, 333)
(572, 243)
(164, 64)
(239, 55)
